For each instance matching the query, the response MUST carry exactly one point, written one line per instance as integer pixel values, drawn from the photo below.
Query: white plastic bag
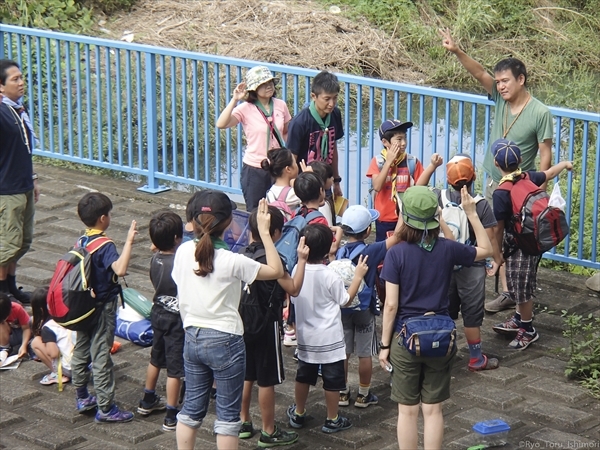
(556, 200)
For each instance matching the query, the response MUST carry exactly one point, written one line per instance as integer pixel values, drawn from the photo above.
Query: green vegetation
(583, 334)
(73, 16)
(558, 41)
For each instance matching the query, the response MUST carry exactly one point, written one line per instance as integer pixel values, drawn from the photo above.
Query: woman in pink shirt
(264, 119)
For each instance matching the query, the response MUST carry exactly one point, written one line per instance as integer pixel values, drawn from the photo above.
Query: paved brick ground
(529, 390)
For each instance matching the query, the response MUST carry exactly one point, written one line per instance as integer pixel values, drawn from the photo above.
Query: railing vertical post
(2, 45)
(151, 129)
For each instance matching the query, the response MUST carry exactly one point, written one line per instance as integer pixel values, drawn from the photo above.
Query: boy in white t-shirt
(320, 334)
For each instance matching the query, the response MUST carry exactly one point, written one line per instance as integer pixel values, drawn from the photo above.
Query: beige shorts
(16, 226)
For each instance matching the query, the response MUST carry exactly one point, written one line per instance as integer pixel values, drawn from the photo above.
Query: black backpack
(258, 311)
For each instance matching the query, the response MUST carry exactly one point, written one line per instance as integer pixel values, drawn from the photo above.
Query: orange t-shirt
(383, 199)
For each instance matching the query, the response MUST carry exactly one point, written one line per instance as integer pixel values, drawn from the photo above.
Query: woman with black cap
(417, 273)
(208, 278)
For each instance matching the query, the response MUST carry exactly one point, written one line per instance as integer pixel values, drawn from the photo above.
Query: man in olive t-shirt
(520, 118)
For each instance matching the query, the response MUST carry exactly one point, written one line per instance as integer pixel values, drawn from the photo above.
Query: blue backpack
(287, 245)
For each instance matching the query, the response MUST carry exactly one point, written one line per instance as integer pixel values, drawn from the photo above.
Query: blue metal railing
(151, 112)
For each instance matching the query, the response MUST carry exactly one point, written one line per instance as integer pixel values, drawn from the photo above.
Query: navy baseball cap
(506, 153)
(392, 124)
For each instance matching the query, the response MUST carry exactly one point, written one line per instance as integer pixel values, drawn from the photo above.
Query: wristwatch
(337, 180)
(384, 347)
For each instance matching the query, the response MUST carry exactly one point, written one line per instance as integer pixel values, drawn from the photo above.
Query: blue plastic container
(492, 432)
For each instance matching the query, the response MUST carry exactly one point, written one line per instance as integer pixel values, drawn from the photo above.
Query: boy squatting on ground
(319, 329)
(94, 345)
(393, 172)
(14, 327)
(313, 132)
(166, 230)
(264, 359)
(521, 268)
(359, 326)
(467, 286)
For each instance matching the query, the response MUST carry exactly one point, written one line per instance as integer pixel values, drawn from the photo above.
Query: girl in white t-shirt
(282, 167)
(209, 281)
(52, 343)
(264, 119)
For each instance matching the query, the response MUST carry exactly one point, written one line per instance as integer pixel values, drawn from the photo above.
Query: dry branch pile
(299, 34)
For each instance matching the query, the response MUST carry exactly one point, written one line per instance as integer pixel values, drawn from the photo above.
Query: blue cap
(393, 125)
(358, 218)
(506, 153)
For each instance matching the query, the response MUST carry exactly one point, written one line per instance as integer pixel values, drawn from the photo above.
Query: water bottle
(488, 263)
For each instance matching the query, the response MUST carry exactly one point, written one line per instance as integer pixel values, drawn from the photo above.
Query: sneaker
(487, 364)
(145, 408)
(170, 423)
(86, 404)
(296, 421)
(246, 431)
(289, 338)
(524, 339)
(500, 303)
(512, 325)
(113, 415)
(295, 356)
(333, 426)
(278, 438)
(344, 399)
(362, 401)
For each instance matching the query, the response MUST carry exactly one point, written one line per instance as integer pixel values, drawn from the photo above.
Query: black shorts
(334, 375)
(167, 341)
(264, 360)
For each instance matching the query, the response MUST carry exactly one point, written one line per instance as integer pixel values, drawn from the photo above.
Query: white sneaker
(289, 338)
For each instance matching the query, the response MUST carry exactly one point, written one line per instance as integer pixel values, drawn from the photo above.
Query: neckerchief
(94, 232)
(324, 127)
(512, 177)
(270, 119)
(217, 243)
(22, 112)
(394, 168)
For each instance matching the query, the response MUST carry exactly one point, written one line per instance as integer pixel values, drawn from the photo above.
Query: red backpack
(536, 226)
(70, 301)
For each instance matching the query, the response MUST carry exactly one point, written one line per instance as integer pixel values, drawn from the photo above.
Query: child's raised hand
(303, 250)
(132, 233)
(467, 202)
(263, 218)
(568, 165)
(239, 92)
(361, 268)
(436, 160)
(304, 167)
(393, 152)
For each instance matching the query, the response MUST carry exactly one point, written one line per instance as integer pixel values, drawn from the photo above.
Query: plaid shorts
(521, 275)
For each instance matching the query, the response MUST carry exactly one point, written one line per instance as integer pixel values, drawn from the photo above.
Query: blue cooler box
(492, 433)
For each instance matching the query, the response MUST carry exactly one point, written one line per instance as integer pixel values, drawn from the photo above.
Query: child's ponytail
(205, 249)
(277, 160)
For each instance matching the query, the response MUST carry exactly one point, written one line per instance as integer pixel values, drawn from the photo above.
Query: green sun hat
(257, 76)
(420, 208)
